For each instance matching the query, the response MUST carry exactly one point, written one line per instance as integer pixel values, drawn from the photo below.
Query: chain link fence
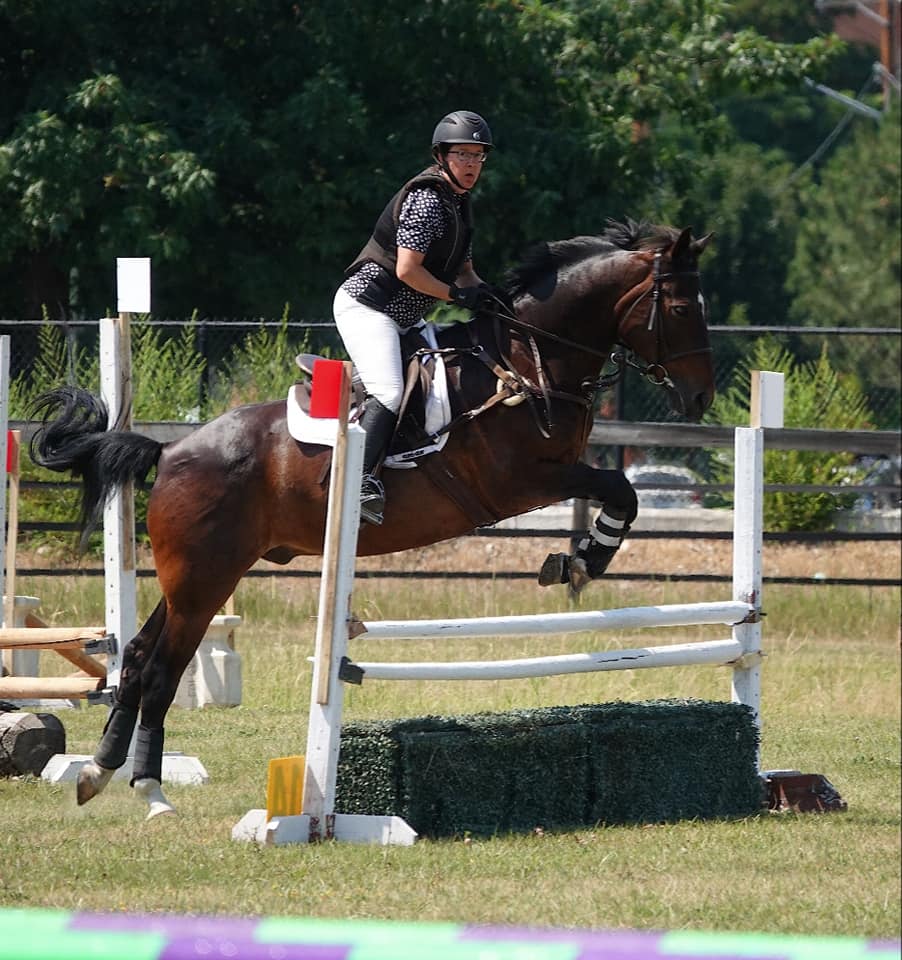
(872, 355)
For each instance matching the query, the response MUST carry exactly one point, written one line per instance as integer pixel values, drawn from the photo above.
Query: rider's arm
(410, 270)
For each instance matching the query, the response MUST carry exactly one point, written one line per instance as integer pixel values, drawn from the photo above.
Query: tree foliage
(816, 396)
(248, 147)
(847, 265)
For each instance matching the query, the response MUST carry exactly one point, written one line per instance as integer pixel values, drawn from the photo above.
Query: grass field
(831, 705)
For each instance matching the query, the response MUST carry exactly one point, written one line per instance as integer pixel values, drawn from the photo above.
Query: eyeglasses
(463, 157)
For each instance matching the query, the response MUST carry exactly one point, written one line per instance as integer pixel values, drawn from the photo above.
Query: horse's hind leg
(179, 639)
(112, 751)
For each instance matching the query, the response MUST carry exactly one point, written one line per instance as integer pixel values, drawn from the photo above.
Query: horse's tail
(73, 436)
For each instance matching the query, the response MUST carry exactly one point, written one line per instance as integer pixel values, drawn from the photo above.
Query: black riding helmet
(461, 126)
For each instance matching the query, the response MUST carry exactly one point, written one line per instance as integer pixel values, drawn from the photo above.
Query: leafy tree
(248, 147)
(847, 265)
(815, 396)
(740, 196)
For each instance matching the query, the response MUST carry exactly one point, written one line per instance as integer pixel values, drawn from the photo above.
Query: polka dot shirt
(420, 222)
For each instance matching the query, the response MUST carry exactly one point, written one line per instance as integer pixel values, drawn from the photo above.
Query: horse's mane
(545, 258)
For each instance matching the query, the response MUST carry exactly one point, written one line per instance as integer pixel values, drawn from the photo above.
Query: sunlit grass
(831, 705)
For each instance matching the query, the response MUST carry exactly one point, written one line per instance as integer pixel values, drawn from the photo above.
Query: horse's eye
(680, 309)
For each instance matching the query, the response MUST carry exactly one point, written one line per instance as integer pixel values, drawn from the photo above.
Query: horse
(523, 380)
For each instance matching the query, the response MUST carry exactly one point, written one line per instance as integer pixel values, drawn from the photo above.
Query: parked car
(885, 474)
(658, 485)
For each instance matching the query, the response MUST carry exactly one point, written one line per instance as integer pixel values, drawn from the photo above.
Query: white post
(4, 422)
(336, 586)
(766, 409)
(119, 513)
(318, 819)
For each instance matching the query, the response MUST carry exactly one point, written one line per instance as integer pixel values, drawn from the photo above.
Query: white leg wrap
(153, 794)
(608, 530)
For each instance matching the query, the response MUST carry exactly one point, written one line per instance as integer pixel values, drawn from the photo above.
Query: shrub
(816, 396)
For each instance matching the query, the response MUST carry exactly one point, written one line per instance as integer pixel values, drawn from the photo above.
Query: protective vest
(445, 255)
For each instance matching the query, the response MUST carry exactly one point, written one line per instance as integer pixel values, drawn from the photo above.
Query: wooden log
(48, 638)
(48, 688)
(28, 741)
(92, 667)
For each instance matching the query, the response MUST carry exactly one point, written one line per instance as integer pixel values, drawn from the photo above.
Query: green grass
(830, 705)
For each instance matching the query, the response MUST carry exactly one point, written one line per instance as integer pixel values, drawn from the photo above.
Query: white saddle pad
(309, 429)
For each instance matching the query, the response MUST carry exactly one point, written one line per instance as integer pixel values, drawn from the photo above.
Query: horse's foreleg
(597, 549)
(112, 751)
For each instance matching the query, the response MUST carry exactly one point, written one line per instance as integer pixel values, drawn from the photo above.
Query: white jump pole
(766, 411)
(119, 564)
(133, 295)
(4, 420)
(318, 819)
(119, 569)
(665, 615)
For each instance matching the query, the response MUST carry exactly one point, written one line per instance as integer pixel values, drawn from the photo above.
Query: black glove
(470, 297)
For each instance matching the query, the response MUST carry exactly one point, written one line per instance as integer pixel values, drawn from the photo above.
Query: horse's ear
(697, 247)
(681, 245)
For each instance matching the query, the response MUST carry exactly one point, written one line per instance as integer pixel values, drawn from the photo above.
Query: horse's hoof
(92, 778)
(152, 792)
(579, 575)
(555, 570)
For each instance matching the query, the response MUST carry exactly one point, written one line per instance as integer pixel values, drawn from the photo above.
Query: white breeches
(373, 342)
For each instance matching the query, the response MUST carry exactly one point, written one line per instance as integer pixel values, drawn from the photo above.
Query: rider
(420, 252)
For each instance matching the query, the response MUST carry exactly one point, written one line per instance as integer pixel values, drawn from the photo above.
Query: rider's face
(465, 162)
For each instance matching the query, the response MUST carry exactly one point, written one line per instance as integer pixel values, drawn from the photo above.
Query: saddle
(425, 418)
(425, 413)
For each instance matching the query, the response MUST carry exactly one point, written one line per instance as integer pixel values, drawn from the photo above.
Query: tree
(847, 265)
(249, 147)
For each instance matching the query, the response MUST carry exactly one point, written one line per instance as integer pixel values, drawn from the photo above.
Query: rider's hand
(470, 297)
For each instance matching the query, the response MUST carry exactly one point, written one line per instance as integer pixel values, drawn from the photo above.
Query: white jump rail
(742, 651)
(666, 615)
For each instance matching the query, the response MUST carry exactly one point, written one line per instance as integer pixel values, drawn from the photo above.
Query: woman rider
(419, 253)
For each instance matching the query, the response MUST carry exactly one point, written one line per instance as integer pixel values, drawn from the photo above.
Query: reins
(514, 387)
(655, 372)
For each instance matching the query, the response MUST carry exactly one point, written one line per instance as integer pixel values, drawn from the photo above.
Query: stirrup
(372, 500)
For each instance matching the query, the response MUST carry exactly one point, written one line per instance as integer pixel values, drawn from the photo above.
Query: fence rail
(622, 433)
(604, 433)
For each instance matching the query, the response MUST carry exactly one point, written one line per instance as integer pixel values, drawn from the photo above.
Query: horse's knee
(619, 497)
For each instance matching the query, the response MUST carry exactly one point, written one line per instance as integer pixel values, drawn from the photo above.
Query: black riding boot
(379, 423)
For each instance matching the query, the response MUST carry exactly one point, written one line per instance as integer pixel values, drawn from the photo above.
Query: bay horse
(240, 488)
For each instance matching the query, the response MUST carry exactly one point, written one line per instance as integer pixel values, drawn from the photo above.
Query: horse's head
(663, 320)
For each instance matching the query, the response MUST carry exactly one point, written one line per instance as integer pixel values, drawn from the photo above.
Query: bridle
(654, 372)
